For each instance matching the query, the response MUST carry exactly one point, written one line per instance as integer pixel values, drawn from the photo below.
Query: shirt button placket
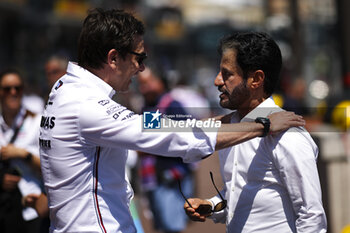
(230, 215)
(234, 172)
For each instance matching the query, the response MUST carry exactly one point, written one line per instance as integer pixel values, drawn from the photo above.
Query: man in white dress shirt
(85, 135)
(271, 183)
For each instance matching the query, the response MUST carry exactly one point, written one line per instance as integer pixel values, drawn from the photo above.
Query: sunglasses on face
(207, 209)
(140, 57)
(7, 89)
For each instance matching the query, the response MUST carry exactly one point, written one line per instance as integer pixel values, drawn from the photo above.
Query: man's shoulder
(102, 107)
(72, 90)
(295, 139)
(297, 133)
(293, 134)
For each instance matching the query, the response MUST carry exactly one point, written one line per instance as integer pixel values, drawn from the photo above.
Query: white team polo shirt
(84, 142)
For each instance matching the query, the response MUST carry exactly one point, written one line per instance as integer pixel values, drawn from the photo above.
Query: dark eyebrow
(223, 69)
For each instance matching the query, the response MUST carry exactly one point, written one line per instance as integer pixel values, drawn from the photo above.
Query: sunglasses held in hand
(205, 209)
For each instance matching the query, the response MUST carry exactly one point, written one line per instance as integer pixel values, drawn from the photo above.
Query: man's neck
(97, 72)
(242, 112)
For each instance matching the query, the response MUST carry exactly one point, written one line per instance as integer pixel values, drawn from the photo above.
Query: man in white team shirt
(85, 135)
(271, 183)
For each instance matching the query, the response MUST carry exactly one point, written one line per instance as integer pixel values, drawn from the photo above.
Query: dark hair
(11, 71)
(104, 30)
(254, 51)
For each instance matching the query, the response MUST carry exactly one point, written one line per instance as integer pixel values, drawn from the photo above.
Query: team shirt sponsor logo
(128, 116)
(118, 114)
(47, 122)
(59, 84)
(114, 108)
(44, 143)
(103, 102)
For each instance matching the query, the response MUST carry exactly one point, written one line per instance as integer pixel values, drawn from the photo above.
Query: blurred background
(181, 37)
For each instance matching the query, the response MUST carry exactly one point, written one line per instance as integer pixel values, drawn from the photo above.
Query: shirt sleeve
(109, 124)
(218, 217)
(295, 155)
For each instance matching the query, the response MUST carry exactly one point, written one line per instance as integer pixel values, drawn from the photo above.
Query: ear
(257, 79)
(112, 57)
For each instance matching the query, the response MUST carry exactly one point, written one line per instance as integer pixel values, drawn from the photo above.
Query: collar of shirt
(77, 71)
(264, 109)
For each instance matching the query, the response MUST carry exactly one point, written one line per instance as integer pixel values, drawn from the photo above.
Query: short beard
(237, 97)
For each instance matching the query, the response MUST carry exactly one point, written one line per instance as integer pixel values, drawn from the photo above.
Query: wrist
(266, 123)
(211, 203)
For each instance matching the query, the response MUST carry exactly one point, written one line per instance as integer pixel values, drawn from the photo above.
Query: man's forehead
(10, 78)
(228, 59)
(228, 53)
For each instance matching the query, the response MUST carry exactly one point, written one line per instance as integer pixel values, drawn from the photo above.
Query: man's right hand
(194, 212)
(9, 182)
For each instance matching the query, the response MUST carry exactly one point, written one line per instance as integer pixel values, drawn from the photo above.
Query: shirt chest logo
(47, 122)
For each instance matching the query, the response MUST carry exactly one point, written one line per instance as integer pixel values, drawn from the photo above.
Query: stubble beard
(236, 98)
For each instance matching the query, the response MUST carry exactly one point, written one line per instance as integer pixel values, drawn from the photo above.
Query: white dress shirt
(271, 183)
(27, 138)
(84, 142)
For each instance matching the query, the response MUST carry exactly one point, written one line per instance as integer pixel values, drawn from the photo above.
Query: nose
(218, 80)
(13, 91)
